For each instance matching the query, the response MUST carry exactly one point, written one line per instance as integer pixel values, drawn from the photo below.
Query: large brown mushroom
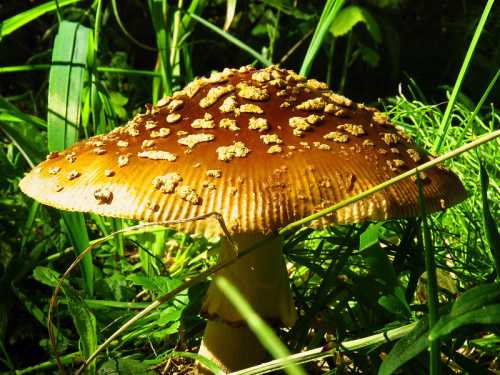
(261, 147)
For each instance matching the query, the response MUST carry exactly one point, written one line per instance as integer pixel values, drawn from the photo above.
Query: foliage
(71, 70)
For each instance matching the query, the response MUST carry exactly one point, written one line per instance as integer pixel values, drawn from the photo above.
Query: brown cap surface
(261, 147)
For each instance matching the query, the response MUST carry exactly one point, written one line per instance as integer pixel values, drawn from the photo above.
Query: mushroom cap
(261, 147)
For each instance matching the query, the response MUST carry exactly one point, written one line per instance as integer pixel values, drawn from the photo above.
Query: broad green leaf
(406, 348)
(448, 323)
(352, 15)
(479, 305)
(46, 276)
(476, 298)
(158, 15)
(66, 76)
(19, 20)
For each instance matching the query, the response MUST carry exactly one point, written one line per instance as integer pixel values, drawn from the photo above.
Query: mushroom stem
(262, 279)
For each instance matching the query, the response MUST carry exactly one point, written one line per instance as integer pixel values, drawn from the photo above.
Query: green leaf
(124, 366)
(448, 323)
(19, 20)
(476, 298)
(66, 76)
(46, 276)
(406, 348)
(377, 260)
(369, 56)
(480, 305)
(352, 15)
(159, 285)
(490, 224)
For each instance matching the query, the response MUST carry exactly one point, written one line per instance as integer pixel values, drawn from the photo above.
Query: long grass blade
(232, 39)
(432, 287)
(159, 10)
(263, 332)
(445, 122)
(13, 23)
(64, 111)
(489, 223)
(328, 15)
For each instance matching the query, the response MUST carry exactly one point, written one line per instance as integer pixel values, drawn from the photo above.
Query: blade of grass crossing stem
(430, 268)
(490, 225)
(328, 15)
(445, 122)
(64, 110)
(263, 332)
(232, 39)
(159, 15)
(13, 23)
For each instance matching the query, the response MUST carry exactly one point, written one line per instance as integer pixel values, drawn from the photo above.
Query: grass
(355, 285)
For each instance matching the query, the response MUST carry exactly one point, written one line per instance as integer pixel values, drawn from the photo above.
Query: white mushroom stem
(262, 279)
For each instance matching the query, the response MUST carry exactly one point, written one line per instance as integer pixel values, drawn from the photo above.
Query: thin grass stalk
(432, 286)
(478, 107)
(104, 69)
(264, 333)
(243, 252)
(330, 350)
(232, 39)
(124, 30)
(445, 122)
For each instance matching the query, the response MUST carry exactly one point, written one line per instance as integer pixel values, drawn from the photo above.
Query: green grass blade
(65, 84)
(13, 23)
(124, 30)
(158, 10)
(263, 332)
(31, 151)
(64, 109)
(489, 223)
(105, 69)
(432, 286)
(445, 122)
(10, 113)
(478, 107)
(232, 39)
(328, 15)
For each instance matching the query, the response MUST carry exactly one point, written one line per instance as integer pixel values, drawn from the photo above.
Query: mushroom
(261, 147)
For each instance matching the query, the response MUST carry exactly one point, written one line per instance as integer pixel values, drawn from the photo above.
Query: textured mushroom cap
(261, 147)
